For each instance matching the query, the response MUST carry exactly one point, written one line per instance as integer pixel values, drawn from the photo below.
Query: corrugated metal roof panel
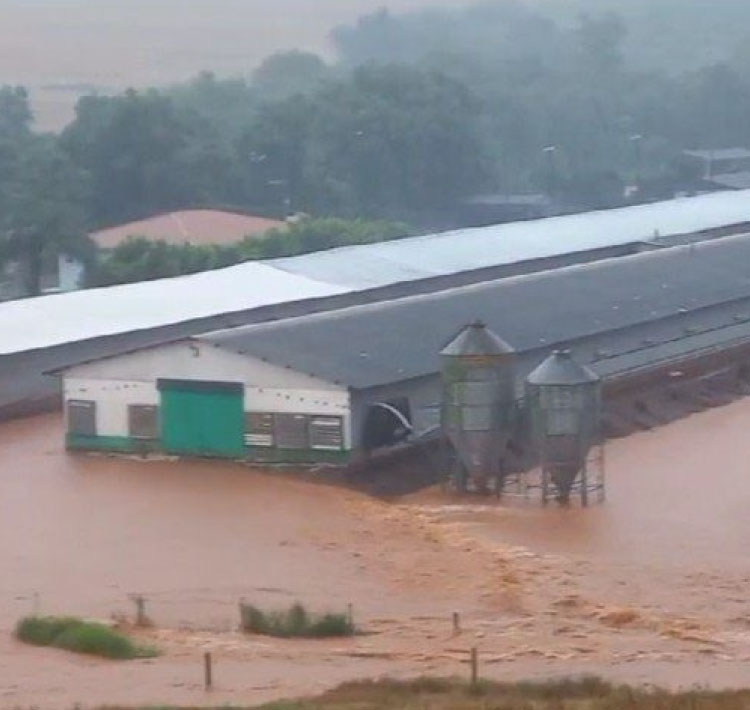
(451, 252)
(561, 369)
(64, 318)
(52, 320)
(366, 346)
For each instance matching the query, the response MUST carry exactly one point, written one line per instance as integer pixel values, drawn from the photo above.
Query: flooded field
(650, 587)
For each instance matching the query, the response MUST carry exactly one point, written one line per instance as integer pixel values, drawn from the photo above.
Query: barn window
(258, 429)
(82, 417)
(143, 421)
(327, 433)
(291, 431)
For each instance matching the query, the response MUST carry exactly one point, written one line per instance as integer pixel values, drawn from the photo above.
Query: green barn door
(202, 418)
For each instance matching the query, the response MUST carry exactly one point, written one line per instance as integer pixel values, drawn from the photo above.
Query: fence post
(208, 671)
(474, 666)
(456, 623)
(140, 610)
(241, 606)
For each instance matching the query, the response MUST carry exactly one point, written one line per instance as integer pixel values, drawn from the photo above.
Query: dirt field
(651, 587)
(63, 48)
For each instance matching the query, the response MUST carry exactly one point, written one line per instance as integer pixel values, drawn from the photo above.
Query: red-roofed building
(196, 227)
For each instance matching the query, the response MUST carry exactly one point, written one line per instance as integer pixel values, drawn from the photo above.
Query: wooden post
(474, 666)
(350, 616)
(456, 624)
(140, 610)
(208, 671)
(241, 607)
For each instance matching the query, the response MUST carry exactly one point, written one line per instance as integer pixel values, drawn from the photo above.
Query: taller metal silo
(563, 399)
(479, 401)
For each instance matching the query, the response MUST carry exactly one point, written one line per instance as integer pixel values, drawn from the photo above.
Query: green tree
(43, 214)
(132, 147)
(395, 141)
(316, 234)
(15, 113)
(274, 155)
(140, 259)
(286, 74)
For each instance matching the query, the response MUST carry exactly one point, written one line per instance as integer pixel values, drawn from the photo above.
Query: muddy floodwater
(653, 586)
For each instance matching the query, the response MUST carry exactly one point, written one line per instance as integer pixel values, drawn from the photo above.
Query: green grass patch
(74, 634)
(295, 622)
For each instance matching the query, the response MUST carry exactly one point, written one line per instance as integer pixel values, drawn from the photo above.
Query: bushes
(295, 622)
(80, 636)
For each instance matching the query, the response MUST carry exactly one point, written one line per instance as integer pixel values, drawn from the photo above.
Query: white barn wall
(193, 360)
(112, 399)
(116, 382)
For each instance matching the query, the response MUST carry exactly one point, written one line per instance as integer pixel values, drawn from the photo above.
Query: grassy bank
(73, 634)
(438, 694)
(295, 622)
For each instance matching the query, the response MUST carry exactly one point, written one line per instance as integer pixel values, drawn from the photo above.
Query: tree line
(417, 112)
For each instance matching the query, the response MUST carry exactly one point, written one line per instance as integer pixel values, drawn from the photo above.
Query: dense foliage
(73, 634)
(139, 259)
(576, 99)
(42, 193)
(295, 622)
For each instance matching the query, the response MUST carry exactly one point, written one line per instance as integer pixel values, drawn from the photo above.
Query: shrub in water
(42, 631)
(97, 640)
(331, 625)
(295, 622)
(79, 636)
(254, 620)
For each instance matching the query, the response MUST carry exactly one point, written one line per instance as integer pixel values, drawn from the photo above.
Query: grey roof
(476, 339)
(735, 181)
(719, 153)
(616, 307)
(561, 369)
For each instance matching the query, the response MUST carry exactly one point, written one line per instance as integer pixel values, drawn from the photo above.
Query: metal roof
(85, 315)
(719, 153)
(451, 252)
(34, 323)
(621, 305)
(561, 369)
(735, 181)
(476, 339)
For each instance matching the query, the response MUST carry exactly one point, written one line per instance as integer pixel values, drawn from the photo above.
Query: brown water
(650, 587)
(53, 45)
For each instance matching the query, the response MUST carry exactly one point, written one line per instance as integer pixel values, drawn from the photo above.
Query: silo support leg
(584, 488)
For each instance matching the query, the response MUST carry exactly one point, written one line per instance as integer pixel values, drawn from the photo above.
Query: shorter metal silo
(478, 401)
(563, 399)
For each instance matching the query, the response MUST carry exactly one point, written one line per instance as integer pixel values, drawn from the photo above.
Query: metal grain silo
(563, 399)
(479, 404)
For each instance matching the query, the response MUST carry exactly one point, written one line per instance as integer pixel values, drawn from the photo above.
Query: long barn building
(310, 388)
(44, 333)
